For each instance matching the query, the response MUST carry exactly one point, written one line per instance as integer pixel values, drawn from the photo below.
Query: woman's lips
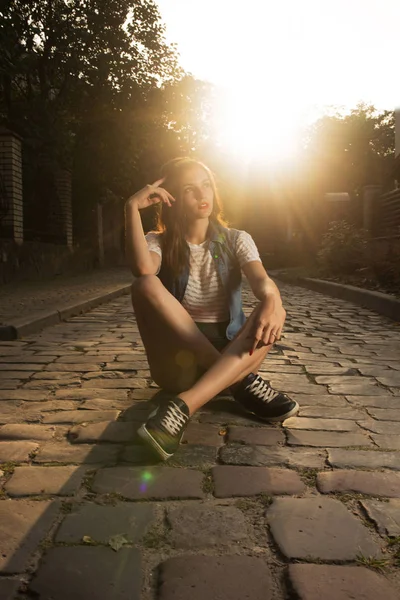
(203, 205)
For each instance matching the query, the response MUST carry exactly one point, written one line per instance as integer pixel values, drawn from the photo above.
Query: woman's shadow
(221, 411)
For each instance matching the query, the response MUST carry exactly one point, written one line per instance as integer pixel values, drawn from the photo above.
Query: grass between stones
(309, 476)
(350, 497)
(8, 468)
(394, 546)
(377, 564)
(66, 507)
(156, 536)
(208, 483)
(246, 504)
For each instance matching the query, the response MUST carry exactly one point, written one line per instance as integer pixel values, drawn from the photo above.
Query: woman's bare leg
(231, 367)
(175, 347)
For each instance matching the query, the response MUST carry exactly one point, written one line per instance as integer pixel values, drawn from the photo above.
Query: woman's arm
(261, 285)
(270, 315)
(140, 260)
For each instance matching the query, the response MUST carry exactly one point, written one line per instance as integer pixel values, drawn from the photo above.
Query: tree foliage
(94, 85)
(345, 153)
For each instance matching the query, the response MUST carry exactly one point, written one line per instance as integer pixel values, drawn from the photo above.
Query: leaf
(118, 541)
(88, 540)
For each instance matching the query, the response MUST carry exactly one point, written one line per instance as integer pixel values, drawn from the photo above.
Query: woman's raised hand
(151, 194)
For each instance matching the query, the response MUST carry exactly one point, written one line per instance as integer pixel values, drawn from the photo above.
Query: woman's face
(196, 193)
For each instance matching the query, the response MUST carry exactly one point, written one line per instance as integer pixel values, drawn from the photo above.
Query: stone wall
(35, 260)
(11, 173)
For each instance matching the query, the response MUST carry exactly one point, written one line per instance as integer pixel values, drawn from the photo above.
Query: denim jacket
(222, 244)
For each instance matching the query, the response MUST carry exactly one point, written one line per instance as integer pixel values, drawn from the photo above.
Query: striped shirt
(205, 299)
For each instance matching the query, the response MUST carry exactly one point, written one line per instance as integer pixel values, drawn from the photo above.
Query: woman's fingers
(157, 183)
(163, 195)
(257, 336)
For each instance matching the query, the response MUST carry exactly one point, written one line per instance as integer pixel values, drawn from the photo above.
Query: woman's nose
(198, 193)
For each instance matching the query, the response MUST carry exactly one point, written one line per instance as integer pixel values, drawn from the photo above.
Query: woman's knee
(174, 380)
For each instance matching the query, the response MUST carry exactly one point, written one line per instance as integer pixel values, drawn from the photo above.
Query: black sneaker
(164, 428)
(259, 398)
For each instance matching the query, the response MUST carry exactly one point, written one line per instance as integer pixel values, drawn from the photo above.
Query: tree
(63, 61)
(345, 153)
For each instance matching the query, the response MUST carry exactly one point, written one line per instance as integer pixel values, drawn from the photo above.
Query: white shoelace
(174, 419)
(262, 390)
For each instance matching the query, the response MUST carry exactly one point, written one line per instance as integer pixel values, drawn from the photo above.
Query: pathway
(308, 511)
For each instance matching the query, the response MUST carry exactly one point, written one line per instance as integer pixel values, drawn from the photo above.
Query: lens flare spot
(185, 359)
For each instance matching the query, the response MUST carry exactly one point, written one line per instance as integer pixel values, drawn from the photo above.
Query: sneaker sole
(147, 437)
(291, 413)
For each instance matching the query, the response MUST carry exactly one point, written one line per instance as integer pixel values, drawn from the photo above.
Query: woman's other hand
(269, 319)
(151, 194)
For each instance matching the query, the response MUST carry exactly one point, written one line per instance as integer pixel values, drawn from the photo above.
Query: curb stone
(383, 304)
(44, 318)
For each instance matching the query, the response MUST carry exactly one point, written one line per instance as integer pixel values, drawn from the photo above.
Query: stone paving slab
(327, 439)
(34, 481)
(103, 523)
(332, 412)
(108, 431)
(383, 427)
(385, 414)
(193, 455)
(198, 433)
(358, 389)
(93, 572)
(318, 529)
(23, 524)
(102, 454)
(261, 456)
(80, 416)
(363, 482)
(201, 526)
(320, 424)
(317, 582)
(324, 400)
(249, 481)
(17, 451)
(255, 436)
(224, 577)
(154, 482)
(386, 515)
(8, 588)
(26, 432)
(364, 459)
(388, 442)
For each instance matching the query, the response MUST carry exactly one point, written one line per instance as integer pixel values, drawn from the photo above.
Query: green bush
(385, 265)
(343, 249)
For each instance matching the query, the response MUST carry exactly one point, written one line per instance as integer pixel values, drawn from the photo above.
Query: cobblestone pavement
(309, 510)
(26, 298)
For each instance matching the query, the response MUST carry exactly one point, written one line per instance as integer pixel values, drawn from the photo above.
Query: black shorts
(215, 333)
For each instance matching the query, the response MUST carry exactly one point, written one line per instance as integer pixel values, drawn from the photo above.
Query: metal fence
(387, 215)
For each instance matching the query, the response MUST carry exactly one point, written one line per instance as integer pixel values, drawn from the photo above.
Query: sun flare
(252, 128)
(276, 65)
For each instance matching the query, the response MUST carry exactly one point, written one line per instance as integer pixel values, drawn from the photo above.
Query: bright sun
(255, 129)
(279, 63)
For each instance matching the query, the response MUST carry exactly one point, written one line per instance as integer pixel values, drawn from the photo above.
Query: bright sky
(282, 61)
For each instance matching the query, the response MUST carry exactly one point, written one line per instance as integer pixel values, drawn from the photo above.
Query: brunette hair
(171, 221)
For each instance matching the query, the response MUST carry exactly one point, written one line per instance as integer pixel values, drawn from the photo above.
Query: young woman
(187, 302)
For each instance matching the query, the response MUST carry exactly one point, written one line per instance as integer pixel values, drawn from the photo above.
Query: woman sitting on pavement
(188, 305)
